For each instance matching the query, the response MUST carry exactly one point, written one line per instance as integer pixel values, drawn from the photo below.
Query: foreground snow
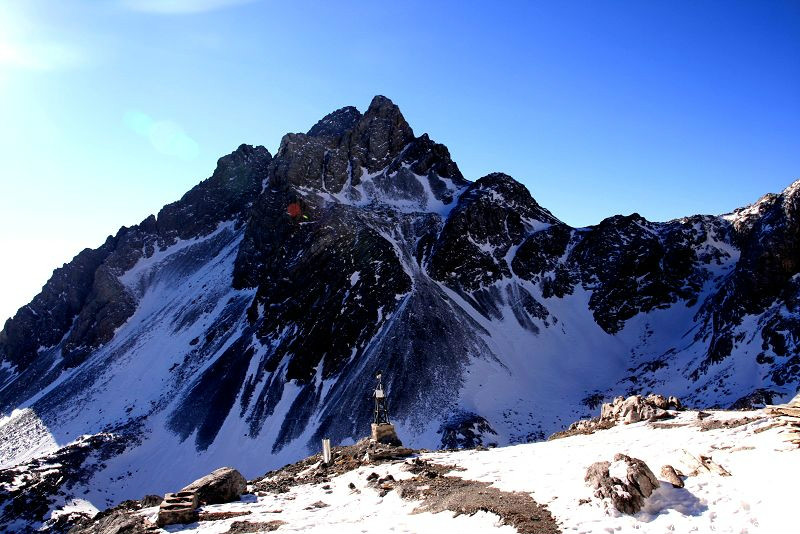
(757, 497)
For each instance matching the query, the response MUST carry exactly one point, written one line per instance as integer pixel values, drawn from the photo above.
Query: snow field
(758, 497)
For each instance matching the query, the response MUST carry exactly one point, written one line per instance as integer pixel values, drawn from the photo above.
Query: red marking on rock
(293, 209)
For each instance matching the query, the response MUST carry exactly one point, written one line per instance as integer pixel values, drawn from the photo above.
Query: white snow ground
(758, 497)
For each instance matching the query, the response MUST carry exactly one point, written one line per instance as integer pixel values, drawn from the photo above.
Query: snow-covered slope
(246, 320)
(758, 496)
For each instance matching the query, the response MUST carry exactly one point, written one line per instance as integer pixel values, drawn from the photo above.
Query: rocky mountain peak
(500, 188)
(370, 157)
(383, 108)
(380, 135)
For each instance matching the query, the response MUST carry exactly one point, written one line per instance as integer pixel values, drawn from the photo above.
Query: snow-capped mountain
(246, 320)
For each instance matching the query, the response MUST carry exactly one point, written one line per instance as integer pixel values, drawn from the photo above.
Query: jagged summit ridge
(374, 157)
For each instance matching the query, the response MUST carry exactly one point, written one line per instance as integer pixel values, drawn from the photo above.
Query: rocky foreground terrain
(669, 470)
(244, 322)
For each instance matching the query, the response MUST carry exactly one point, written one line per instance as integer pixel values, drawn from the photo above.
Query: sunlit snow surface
(758, 497)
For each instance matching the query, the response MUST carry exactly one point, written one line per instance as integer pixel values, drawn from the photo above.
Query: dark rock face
(492, 215)
(658, 262)
(380, 136)
(44, 321)
(226, 195)
(336, 124)
(107, 306)
(757, 399)
(769, 237)
(342, 273)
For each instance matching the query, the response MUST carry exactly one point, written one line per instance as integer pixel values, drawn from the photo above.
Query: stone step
(173, 507)
(188, 498)
(178, 508)
(177, 501)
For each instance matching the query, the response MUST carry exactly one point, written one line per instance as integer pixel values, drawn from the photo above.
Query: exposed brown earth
(440, 493)
(247, 527)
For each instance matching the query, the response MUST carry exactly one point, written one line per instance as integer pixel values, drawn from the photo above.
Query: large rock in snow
(626, 481)
(223, 485)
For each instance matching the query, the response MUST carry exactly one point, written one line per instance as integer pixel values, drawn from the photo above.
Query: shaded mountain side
(247, 319)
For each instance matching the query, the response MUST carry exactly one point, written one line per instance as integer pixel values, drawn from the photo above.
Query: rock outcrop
(623, 410)
(638, 408)
(788, 416)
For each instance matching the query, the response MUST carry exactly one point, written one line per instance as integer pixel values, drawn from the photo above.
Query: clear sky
(110, 109)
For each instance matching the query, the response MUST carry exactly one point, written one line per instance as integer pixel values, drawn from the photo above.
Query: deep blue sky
(108, 110)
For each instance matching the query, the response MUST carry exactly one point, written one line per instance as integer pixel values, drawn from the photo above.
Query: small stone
(669, 474)
(317, 505)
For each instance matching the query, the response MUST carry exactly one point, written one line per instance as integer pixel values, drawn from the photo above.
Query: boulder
(669, 474)
(626, 481)
(223, 485)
